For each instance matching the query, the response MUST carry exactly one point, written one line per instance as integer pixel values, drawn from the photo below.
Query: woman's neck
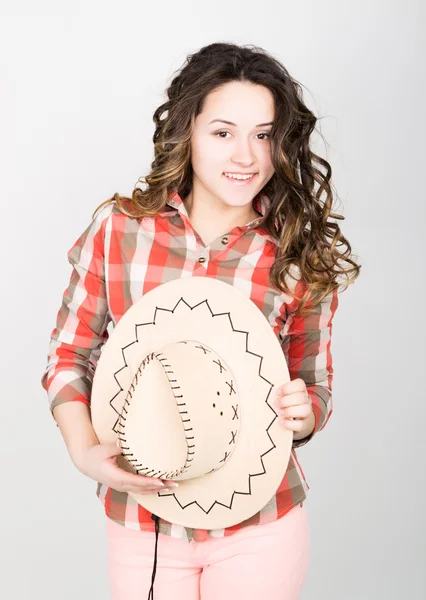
(210, 220)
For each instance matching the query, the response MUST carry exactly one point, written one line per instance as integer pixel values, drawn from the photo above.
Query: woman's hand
(294, 407)
(99, 462)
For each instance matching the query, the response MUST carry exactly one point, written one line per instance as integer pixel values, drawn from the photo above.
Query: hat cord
(154, 571)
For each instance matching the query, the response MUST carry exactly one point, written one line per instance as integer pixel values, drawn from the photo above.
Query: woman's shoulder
(111, 209)
(112, 217)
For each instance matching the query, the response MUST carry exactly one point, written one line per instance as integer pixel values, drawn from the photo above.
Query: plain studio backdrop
(79, 84)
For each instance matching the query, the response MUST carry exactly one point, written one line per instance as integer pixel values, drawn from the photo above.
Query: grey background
(79, 82)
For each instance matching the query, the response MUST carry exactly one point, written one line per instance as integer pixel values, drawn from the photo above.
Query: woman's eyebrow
(230, 123)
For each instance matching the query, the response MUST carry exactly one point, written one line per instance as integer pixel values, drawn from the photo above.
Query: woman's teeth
(233, 176)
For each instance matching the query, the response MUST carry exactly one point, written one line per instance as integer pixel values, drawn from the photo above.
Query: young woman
(235, 192)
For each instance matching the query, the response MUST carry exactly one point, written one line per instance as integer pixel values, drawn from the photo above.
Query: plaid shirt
(117, 259)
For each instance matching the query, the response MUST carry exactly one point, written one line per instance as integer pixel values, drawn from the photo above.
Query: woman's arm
(75, 425)
(306, 343)
(81, 330)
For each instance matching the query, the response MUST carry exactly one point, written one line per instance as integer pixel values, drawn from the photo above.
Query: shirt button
(201, 259)
(225, 240)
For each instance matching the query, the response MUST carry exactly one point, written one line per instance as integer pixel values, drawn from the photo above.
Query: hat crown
(187, 393)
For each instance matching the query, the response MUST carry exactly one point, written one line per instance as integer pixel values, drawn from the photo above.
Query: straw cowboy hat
(184, 385)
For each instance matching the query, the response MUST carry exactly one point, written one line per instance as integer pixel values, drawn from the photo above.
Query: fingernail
(172, 484)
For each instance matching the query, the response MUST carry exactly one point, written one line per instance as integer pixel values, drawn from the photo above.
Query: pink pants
(263, 561)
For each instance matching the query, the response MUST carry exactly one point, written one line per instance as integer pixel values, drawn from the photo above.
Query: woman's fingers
(123, 480)
(141, 484)
(147, 490)
(297, 412)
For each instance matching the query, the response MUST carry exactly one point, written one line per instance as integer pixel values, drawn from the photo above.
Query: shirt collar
(261, 204)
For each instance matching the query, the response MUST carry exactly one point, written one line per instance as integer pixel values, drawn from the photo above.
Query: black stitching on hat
(201, 347)
(225, 457)
(139, 467)
(231, 387)
(217, 362)
(179, 404)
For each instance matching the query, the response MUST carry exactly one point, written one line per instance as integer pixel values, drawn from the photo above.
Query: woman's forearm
(75, 424)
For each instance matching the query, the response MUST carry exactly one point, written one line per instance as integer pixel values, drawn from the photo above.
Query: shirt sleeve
(306, 342)
(82, 320)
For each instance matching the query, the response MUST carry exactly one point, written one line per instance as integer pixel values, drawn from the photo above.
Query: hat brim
(219, 315)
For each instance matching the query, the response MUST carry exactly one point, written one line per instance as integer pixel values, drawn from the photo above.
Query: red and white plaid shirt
(117, 259)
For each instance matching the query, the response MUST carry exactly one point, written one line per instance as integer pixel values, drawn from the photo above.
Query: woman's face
(242, 145)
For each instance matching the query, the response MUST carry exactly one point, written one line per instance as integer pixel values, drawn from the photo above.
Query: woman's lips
(240, 181)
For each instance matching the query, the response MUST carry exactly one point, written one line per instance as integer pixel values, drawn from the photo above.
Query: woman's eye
(218, 133)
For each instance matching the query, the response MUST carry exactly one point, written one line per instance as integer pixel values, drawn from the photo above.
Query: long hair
(300, 189)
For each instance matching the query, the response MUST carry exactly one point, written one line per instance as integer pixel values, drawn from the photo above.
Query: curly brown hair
(298, 218)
